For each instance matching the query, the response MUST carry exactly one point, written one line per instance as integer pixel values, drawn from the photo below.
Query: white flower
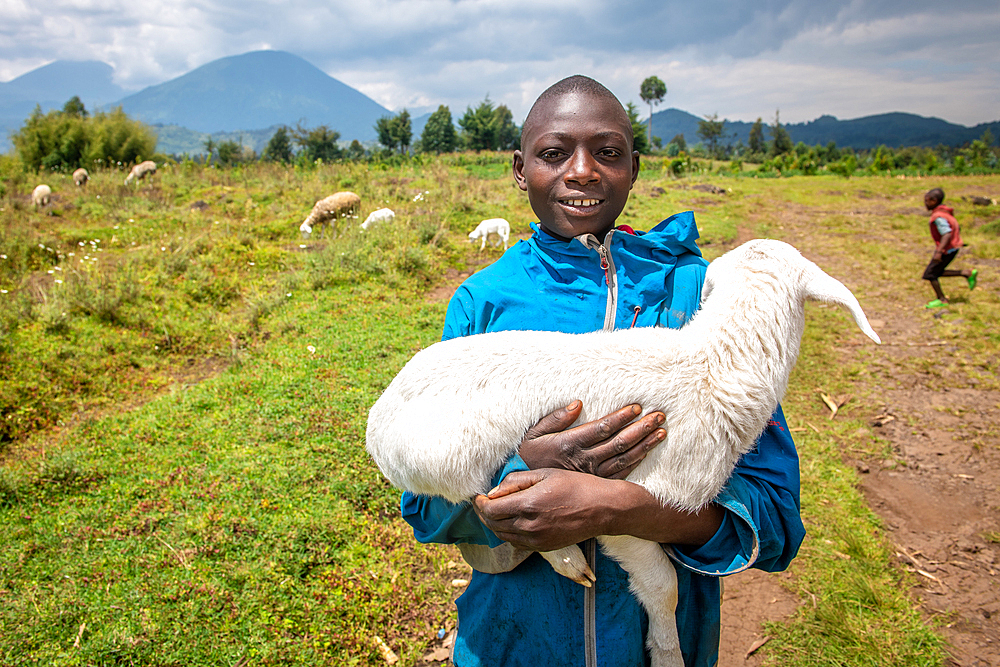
(311, 348)
(289, 294)
(58, 281)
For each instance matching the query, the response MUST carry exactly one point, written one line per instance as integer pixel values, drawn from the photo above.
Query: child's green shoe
(972, 279)
(936, 303)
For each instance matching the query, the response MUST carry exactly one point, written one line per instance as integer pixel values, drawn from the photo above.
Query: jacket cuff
(734, 547)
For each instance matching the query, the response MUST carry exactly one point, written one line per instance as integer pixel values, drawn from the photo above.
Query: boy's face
(577, 165)
(931, 202)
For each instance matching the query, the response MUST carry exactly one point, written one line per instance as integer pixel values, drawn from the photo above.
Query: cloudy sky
(848, 58)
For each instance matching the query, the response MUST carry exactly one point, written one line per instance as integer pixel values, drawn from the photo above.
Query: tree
(652, 90)
(712, 130)
(355, 151)
(781, 141)
(279, 146)
(210, 147)
(319, 143)
(639, 140)
(756, 141)
(439, 133)
(74, 107)
(681, 143)
(230, 152)
(395, 132)
(489, 128)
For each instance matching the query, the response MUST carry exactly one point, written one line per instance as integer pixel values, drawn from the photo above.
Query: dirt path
(937, 492)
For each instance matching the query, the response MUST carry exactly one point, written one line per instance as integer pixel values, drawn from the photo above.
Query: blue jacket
(530, 615)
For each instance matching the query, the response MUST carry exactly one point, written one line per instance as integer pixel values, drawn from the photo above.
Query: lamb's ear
(823, 287)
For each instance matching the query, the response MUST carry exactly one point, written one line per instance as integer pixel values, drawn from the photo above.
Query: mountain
(50, 87)
(257, 90)
(890, 129)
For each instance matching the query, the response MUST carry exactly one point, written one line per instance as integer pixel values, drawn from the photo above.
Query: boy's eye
(550, 154)
(610, 152)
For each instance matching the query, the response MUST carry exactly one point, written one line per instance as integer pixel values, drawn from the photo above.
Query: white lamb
(336, 206)
(378, 217)
(497, 226)
(141, 171)
(80, 177)
(41, 196)
(458, 410)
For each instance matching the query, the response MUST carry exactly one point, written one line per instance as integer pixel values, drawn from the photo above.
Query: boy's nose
(581, 168)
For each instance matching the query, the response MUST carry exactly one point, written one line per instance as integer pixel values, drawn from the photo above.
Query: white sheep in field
(141, 171)
(497, 226)
(41, 196)
(378, 217)
(329, 209)
(459, 409)
(80, 177)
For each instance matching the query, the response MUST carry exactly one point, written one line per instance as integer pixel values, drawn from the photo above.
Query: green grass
(238, 520)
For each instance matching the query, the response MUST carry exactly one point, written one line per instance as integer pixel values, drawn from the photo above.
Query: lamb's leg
(572, 564)
(653, 581)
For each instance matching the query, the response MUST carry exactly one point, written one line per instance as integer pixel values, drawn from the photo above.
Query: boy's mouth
(580, 203)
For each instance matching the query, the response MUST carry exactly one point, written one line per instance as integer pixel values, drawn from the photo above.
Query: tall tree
(395, 132)
(439, 133)
(74, 107)
(756, 142)
(781, 141)
(712, 130)
(279, 146)
(489, 128)
(652, 90)
(681, 143)
(318, 143)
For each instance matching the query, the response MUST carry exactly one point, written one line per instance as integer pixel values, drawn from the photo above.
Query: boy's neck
(600, 235)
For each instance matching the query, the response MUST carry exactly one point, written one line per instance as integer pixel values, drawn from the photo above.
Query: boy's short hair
(937, 194)
(574, 84)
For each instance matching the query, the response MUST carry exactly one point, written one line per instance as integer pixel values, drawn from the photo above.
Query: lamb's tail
(821, 286)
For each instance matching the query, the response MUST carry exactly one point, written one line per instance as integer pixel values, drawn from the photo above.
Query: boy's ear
(635, 168)
(518, 169)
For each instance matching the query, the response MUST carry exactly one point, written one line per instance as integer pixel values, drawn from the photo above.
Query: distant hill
(891, 129)
(257, 90)
(50, 86)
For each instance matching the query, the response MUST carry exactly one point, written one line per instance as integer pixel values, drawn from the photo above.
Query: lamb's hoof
(572, 564)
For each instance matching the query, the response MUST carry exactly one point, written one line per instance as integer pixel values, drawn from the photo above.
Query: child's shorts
(936, 268)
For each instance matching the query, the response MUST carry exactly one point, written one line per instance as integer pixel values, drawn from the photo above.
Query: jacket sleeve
(762, 527)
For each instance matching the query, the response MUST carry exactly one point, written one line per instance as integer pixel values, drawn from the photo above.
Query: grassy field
(184, 394)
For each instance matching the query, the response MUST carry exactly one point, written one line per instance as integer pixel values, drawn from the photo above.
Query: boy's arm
(754, 521)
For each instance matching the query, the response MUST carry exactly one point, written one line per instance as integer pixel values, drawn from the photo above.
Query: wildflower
(311, 348)
(59, 282)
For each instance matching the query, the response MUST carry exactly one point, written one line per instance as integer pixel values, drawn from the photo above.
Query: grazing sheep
(459, 409)
(80, 177)
(41, 196)
(379, 216)
(497, 226)
(141, 171)
(328, 209)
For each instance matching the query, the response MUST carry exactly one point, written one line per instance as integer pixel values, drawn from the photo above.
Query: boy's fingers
(621, 465)
(514, 482)
(557, 421)
(586, 436)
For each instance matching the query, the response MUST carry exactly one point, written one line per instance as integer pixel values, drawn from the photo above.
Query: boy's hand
(544, 510)
(608, 447)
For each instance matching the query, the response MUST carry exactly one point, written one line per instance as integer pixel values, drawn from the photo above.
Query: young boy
(947, 240)
(580, 273)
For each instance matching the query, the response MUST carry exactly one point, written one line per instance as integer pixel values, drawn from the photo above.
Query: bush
(63, 141)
